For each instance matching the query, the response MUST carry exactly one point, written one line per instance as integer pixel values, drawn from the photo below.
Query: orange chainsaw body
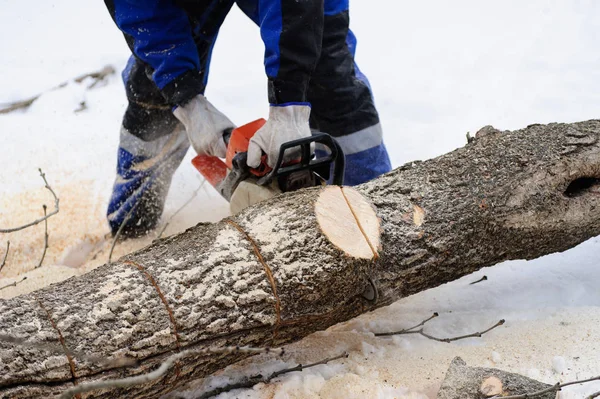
(215, 170)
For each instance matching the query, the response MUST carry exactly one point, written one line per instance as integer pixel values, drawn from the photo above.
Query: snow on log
(304, 261)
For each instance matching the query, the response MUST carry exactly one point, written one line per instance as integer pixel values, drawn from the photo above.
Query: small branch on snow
(594, 395)
(249, 382)
(46, 216)
(5, 255)
(180, 208)
(97, 77)
(82, 107)
(45, 237)
(412, 330)
(554, 388)
(14, 284)
(484, 278)
(162, 369)
(404, 331)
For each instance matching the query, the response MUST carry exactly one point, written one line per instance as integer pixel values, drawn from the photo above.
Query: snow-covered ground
(438, 69)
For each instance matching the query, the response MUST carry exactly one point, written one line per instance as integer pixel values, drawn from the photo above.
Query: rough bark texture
(506, 195)
(463, 382)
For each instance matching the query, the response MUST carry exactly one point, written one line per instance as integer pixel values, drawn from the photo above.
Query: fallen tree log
(304, 261)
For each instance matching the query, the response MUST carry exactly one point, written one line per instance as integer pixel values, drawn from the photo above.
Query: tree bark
(270, 276)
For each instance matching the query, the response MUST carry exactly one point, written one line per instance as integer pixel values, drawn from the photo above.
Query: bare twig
(484, 278)
(473, 335)
(98, 77)
(82, 107)
(433, 316)
(594, 395)
(59, 350)
(22, 104)
(161, 370)
(54, 212)
(121, 227)
(412, 330)
(45, 238)
(180, 208)
(249, 382)
(13, 284)
(5, 255)
(554, 388)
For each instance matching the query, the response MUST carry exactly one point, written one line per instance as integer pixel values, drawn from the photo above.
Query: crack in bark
(268, 272)
(169, 311)
(375, 254)
(62, 343)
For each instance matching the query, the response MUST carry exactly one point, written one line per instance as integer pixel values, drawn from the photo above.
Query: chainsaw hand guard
(301, 173)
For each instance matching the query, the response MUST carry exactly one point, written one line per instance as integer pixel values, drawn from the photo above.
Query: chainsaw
(243, 186)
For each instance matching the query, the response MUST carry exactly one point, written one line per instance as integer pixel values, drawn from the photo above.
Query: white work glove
(286, 123)
(204, 125)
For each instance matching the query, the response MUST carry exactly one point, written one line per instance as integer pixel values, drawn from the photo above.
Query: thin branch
(98, 77)
(59, 350)
(22, 104)
(14, 284)
(435, 314)
(249, 382)
(54, 212)
(484, 278)
(161, 370)
(594, 395)
(45, 238)
(554, 388)
(5, 255)
(420, 331)
(121, 227)
(473, 335)
(180, 208)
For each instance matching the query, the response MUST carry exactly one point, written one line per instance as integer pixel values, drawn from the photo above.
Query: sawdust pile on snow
(79, 212)
(78, 241)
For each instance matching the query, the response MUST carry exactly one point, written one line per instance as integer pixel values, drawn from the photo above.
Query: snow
(438, 69)
(559, 364)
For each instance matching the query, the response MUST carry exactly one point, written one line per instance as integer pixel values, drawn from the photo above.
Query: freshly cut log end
(349, 221)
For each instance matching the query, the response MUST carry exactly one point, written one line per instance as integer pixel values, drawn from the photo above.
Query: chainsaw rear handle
(320, 166)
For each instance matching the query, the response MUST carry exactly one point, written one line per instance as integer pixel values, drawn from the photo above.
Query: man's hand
(286, 123)
(204, 125)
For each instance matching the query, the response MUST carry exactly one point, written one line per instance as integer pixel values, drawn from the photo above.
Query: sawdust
(79, 238)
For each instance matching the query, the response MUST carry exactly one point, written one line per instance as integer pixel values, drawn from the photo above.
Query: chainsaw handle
(319, 165)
